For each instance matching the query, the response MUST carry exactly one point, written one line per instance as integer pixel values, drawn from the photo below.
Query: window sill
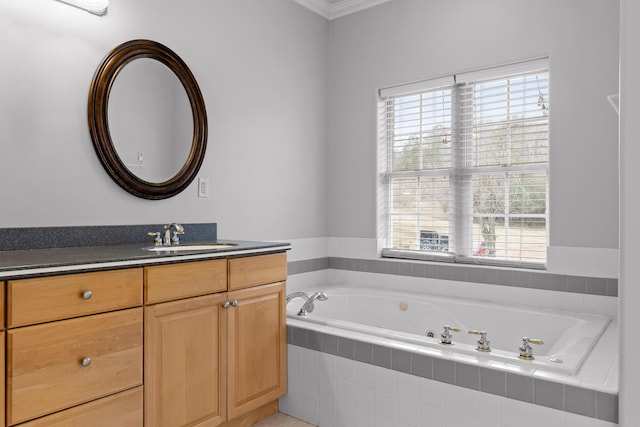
(460, 259)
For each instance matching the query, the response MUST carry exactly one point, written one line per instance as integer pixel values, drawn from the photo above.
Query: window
(464, 162)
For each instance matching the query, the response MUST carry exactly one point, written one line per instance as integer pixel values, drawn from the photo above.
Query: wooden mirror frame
(99, 121)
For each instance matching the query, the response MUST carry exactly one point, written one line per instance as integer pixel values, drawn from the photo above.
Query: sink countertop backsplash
(26, 238)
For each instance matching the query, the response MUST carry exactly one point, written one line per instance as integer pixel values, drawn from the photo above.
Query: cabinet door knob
(87, 294)
(226, 304)
(86, 361)
(234, 303)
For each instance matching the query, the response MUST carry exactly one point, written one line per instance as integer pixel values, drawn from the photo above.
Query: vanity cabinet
(196, 343)
(212, 359)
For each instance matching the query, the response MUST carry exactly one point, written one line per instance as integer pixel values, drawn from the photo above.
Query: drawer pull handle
(87, 295)
(226, 304)
(234, 303)
(85, 361)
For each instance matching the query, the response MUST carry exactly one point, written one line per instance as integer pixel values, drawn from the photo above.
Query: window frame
(459, 217)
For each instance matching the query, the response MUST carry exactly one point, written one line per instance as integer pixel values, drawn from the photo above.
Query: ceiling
(331, 9)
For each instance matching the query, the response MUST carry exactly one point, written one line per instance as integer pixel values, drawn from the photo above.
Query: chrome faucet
(308, 306)
(526, 351)
(168, 240)
(483, 343)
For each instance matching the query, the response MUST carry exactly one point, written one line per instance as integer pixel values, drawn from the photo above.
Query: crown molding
(341, 8)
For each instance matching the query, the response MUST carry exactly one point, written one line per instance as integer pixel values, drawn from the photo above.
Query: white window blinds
(465, 167)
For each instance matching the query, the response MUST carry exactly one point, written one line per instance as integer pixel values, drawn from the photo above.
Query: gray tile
(296, 267)
(444, 371)
(346, 348)
(337, 263)
(401, 360)
(459, 273)
(417, 270)
(431, 271)
(320, 264)
(539, 281)
(393, 268)
(520, 387)
(349, 264)
(548, 394)
(330, 344)
(607, 407)
(380, 267)
(364, 352)
(580, 401)
(404, 268)
(314, 340)
(522, 279)
(596, 286)
(489, 275)
(299, 337)
(576, 284)
(557, 282)
(474, 275)
(370, 265)
(422, 365)
(445, 272)
(612, 287)
(505, 277)
(360, 265)
(382, 356)
(494, 382)
(468, 376)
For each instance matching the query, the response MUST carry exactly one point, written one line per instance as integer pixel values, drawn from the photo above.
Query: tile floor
(281, 420)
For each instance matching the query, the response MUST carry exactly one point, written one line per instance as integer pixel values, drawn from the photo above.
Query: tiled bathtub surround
(335, 381)
(465, 273)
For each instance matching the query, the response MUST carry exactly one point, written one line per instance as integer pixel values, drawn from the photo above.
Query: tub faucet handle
(445, 337)
(483, 343)
(526, 351)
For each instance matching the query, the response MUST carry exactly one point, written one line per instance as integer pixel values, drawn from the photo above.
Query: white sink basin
(204, 247)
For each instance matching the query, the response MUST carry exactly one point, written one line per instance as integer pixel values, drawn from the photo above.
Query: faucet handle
(445, 337)
(526, 351)
(157, 241)
(483, 343)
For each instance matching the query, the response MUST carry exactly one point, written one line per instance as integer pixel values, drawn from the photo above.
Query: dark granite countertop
(37, 262)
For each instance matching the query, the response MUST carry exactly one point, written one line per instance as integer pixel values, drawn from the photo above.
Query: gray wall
(407, 40)
(262, 68)
(629, 212)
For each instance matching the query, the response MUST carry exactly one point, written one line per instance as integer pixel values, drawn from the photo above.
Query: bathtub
(415, 322)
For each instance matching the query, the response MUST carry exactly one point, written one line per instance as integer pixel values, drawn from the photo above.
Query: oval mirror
(148, 126)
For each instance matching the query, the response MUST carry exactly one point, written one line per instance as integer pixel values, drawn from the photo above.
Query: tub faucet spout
(308, 305)
(297, 295)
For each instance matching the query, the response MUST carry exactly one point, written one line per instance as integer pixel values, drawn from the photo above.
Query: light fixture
(97, 7)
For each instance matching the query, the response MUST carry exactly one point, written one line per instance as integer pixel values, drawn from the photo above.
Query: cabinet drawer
(123, 410)
(44, 299)
(257, 270)
(175, 281)
(45, 369)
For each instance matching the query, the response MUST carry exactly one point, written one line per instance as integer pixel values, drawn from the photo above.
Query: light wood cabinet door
(257, 348)
(57, 365)
(122, 410)
(185, 348)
